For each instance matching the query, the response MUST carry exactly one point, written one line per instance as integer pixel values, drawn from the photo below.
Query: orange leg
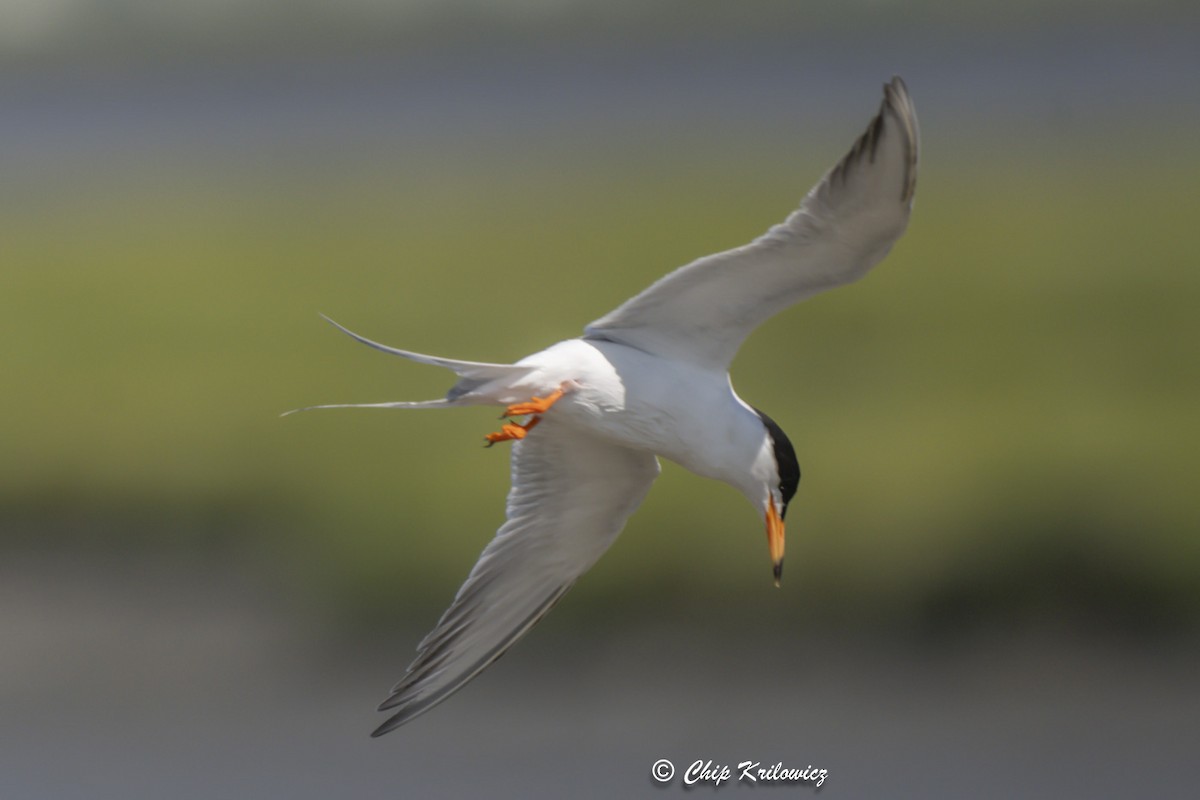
(535, 405)
(533, 408)
(510, 430)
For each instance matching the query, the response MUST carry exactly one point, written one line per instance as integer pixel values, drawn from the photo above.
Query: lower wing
(571, 495)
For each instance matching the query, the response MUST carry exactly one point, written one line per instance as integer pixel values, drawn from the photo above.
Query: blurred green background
(998, 428)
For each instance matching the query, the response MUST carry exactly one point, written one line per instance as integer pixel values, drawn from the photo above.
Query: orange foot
(510, 430)
(532, 408)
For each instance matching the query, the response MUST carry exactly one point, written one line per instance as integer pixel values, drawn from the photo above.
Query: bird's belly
(645, 402)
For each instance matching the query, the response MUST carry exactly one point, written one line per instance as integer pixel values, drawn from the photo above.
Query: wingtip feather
(897, 100)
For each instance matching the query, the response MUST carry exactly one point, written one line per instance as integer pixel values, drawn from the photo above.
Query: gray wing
(571, 495)
(701, 313)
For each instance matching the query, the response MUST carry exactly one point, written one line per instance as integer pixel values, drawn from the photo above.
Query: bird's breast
(673, 409)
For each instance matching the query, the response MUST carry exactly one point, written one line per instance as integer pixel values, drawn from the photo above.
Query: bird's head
(777, 476)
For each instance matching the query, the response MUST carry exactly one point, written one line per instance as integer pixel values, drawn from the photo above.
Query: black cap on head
(785, 460)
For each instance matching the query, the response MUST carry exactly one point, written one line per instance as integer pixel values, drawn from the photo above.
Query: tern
(589, 417)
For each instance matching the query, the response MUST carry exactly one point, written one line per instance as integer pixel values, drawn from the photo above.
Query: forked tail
(471, 376)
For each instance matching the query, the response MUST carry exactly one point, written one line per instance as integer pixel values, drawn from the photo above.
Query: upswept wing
(701, 313)
(571, 495)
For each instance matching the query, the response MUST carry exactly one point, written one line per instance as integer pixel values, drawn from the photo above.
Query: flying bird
(589, 417)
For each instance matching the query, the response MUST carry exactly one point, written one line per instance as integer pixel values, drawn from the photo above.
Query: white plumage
(650, 379)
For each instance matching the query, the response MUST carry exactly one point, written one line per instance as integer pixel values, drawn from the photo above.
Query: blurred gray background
(993, 562)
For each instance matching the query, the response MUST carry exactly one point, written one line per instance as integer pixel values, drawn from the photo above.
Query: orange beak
(775, 539)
